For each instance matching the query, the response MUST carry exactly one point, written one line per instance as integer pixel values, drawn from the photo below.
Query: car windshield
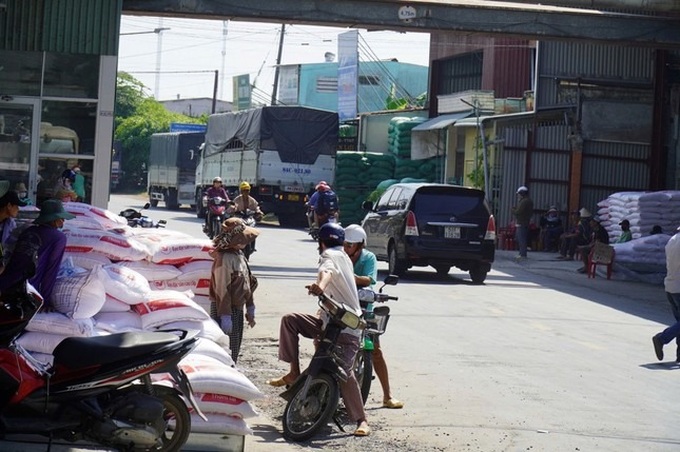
(447, 204)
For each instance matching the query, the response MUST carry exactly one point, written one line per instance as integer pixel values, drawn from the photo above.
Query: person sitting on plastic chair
(598, 234)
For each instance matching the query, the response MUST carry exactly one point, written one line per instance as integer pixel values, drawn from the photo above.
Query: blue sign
(181, 127)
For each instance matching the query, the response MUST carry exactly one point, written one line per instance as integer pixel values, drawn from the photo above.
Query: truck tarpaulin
(299, 134)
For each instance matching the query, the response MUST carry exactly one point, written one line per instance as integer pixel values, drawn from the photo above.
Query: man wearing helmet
(365, 275)
(216, 190)
(335, 278)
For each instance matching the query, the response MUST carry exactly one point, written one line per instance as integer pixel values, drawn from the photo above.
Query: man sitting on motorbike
(365, 275)
(216, 190)
(311, 204)
(336, 279)
(244, 202)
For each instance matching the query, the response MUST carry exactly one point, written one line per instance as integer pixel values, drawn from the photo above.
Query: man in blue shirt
(365, 275)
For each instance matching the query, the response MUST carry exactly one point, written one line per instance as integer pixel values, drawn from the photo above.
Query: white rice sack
(87, 260)
(180, 251)
(224, 404)
(58, 323)
(203, 301)
(115, 246)
(83, 222)
(44, 358)
(115, 322)
(106, 218)
(209, 329)
(114, 305)
(218, 423)
(155, 236)
(196, 269)
(125, 284)
(207, 375)
(152, 271)
(207, 347)
(80, 296)
(40, 342)
(165, 306)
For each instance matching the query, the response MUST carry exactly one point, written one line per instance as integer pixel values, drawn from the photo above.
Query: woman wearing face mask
(9, 210)
(43, 240)
(22, 191)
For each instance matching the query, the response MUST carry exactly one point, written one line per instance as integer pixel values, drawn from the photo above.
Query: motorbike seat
(87, 351)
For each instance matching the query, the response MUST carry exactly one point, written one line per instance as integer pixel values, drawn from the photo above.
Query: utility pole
(159, 49)
(278, 63)
(224, 57)
(214, 99)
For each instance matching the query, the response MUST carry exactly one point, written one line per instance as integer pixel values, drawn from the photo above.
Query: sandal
(393, 403)
(362, 430)
(278, 382)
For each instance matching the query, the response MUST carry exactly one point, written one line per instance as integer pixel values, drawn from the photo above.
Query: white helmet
(217, 179)
(355, 234)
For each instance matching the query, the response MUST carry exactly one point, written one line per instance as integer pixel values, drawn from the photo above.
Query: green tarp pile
(356, 175)
(347, 130)
(399, 135)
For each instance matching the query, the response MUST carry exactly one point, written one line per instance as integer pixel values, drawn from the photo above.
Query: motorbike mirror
(162, 222)
(391, 280)
(367, 205)
(146, 206)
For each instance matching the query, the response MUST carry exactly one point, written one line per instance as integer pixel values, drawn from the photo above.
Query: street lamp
(155, 30)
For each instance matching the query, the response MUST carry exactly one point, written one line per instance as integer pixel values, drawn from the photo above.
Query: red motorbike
(217, 207)
(98, 389)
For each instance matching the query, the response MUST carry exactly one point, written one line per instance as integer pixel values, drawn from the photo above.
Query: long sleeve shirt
(43, 242)
(230, 282)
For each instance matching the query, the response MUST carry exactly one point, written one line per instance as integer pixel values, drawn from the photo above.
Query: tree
(138, 116)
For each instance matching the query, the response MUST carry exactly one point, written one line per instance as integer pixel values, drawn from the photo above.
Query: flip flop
(278, 382)
(393, 403)
(362, 430)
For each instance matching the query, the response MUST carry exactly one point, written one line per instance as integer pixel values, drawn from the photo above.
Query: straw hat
(234, 233)
(584, 213)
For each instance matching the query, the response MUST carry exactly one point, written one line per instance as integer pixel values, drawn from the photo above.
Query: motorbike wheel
(303, 418)
(175, 412)
(363, 372)
(216, 226)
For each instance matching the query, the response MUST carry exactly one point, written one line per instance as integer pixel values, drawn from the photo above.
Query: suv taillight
(490, 229)
(411, 224)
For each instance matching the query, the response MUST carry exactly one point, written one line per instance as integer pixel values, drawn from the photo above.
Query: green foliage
(138, 116)
(394, 103)
(476, 176)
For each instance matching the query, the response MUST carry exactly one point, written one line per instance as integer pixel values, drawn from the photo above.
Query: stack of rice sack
(643, 210)
(115, 278)
(645, 254)
(356, 176)
(425, 170)
(399, 135)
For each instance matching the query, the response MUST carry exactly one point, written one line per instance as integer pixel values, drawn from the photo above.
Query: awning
(555, 115)
(441, 121)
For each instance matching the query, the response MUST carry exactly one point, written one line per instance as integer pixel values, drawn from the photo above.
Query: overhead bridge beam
(464, 16)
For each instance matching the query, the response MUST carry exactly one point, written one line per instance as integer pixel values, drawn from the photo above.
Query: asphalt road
(538, 358)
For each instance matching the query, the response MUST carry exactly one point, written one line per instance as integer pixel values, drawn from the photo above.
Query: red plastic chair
(601, 254)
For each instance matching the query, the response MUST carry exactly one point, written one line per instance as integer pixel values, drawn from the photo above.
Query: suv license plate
(451, 232)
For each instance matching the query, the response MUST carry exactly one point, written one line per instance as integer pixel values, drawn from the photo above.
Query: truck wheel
(198, 207)
(153, 202)
(171, 200)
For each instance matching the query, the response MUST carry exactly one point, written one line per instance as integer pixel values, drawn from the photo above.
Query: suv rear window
(459, 203)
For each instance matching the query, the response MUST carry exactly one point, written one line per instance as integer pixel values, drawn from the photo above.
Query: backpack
(327, 202)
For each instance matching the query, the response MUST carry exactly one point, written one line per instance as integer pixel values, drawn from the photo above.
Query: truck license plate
(451, 232)
(293, 197)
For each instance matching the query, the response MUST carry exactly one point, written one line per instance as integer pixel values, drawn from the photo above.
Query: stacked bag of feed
(114, 278)
(399, 135)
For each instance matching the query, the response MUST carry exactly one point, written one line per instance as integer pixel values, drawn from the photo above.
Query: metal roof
(441, 121)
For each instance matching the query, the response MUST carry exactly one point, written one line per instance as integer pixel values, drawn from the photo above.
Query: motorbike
(250, 218)
(314, 228)
(376, 323)
(98, 389)
(313, 398)
(135, 218)
(217, 207)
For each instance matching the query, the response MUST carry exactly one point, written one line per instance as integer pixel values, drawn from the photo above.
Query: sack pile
(115, 279)
(399, 135)
(425, 170)
(643, 210)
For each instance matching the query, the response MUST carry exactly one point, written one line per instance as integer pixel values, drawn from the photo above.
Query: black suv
(417, 224)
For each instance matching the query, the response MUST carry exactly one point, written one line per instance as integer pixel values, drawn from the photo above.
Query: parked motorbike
(98, 389)
(135, 218)
(250, 218)
(376, 322)
(313, 398)
(215, 215)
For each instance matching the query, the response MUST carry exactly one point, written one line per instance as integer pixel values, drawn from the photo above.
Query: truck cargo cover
(299, 134)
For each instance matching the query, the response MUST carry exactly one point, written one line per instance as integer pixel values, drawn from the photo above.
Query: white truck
(282, 152)
(172, 168)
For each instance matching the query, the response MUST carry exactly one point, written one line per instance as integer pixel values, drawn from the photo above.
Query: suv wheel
(442, 270)
(478, 275)
(396, 266)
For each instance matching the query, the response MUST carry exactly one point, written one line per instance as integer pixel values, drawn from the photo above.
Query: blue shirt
(367, 265)
(45, 242)
(313, 199)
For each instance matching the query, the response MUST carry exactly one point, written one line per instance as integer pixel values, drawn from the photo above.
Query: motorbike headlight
(146, 223)
(351, 320)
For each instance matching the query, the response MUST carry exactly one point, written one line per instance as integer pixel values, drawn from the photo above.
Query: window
(369, 80)
(20, 73)
(69, 75)
(384, 199)
(327, 85)
(461, 73)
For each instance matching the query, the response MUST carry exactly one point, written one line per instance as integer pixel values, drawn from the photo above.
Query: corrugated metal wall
(63, 26)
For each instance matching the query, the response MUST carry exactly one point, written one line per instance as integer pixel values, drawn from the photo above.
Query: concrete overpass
(516, 19)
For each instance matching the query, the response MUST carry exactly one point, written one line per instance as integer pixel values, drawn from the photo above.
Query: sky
(192, 50)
